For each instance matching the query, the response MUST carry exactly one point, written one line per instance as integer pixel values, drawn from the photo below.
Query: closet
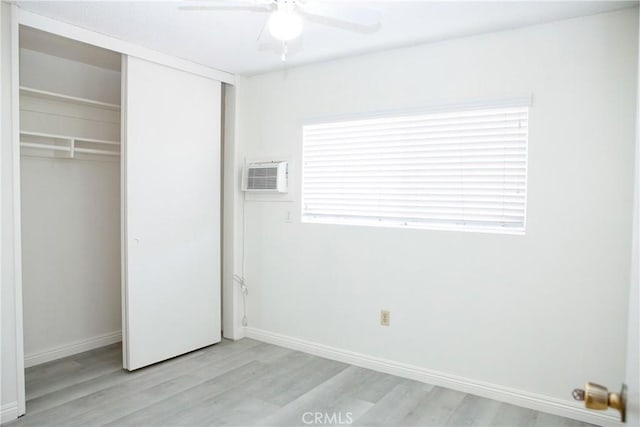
(70, 195)
(120, 177)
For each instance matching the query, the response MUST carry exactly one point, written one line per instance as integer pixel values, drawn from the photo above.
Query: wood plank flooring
(249, 383)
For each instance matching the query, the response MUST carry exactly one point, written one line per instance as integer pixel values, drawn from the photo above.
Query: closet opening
(70, 172)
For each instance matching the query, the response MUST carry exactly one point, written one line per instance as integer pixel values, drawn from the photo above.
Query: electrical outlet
(385, 317)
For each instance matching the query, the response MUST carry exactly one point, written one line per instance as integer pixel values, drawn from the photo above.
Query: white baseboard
(8, 412)
(71, 349)
(542, 403)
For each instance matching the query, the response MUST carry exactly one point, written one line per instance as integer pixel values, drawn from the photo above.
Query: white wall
(540, 313)
(71, 252)
(70, 215)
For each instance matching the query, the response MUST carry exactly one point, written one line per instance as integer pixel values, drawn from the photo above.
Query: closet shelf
(70, 142)
(69, 137)
(67, 98)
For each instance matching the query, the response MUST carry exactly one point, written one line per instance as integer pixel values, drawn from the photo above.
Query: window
(455, 170)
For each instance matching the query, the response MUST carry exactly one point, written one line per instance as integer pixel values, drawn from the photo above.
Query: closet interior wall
(70, 195)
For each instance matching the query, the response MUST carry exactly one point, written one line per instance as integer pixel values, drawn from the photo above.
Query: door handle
(598, 397)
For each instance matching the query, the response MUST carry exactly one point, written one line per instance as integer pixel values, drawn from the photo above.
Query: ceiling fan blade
(231, 2)
(219, 8)
(261, 33)
(336, 15)
(250, 5)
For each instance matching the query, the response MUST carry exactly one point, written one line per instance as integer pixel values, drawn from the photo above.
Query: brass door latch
(598, 397)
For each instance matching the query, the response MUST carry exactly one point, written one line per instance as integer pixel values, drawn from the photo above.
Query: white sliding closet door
(171, 188)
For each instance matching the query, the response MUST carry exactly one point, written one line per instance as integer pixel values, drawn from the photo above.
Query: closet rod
(93, 151)
(44, 146)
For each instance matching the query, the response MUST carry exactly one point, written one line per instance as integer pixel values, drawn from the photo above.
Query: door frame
(22, 17)
(632, 374)
(17, 211)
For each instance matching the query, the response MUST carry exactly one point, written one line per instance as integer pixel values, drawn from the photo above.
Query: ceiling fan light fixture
(285, 25)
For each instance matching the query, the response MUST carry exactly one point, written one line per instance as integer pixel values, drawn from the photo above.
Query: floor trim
(71, 348)
(9, 412)
(522, 398)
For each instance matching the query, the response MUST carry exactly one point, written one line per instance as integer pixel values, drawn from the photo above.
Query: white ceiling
(228, 40)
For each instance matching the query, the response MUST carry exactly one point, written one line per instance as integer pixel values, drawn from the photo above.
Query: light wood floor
(247, 383)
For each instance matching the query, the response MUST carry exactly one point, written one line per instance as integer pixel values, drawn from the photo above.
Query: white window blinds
(463, 169)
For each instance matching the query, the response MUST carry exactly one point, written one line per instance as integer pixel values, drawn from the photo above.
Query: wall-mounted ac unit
(266, 177)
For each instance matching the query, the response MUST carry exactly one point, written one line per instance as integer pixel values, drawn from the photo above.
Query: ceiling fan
(286, 17)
